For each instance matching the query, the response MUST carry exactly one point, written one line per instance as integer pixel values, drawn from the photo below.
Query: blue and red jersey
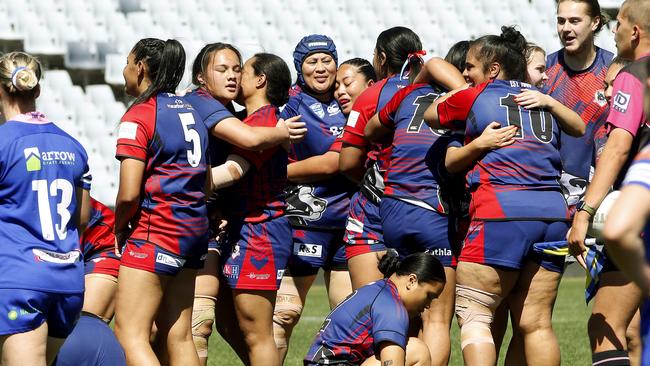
(321, 204)
(516, 182)
(98, 235)
(211, 112)
(41, 168)
(582, 91)
(258, 196)
(627, 110)
(167, 134)
(417, 155)
(352, 332)
(371, 101)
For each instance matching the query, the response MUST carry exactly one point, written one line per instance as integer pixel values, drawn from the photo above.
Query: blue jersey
(416, 165)
(352, 331)
(211, 112)
(322, 204)
(40, 168)
(582, 91)
(516, 182)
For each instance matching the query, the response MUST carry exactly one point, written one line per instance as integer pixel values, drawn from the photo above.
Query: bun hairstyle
(593, 10)
(202, 60)
(165, 64)
(20, 74)
(507, 49)
(425, 266)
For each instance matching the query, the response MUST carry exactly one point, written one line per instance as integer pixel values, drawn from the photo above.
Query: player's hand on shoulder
(494, 136)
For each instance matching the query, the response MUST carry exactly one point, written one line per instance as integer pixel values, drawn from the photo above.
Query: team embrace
(423, 190)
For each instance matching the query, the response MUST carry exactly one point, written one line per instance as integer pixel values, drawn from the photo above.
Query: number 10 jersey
(516, 182)
(40, 167)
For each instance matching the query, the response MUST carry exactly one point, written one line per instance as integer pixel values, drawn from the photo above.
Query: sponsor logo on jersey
(258, 276)
(308, 250)
(235, 251)
(352, 119)
(137, 255)
(14, 314)
(178, 104)
(127, 130)
(621, 101)
(333, 109)
(599, 98)
(280, 274)
(317, 108)
(354, 225)
(439, 252)
(32, 159)
(168, 260)
(42, 255)
(231, 271)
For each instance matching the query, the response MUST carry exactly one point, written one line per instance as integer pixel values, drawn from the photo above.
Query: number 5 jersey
(167, 134)
(40, 168)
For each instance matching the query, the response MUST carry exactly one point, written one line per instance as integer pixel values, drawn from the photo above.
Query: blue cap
(312, 44)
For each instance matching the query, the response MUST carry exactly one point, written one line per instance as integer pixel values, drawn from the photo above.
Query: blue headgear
(312, 44)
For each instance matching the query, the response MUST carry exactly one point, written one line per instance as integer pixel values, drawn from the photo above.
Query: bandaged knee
(475, 311)
(202, 321)
(286, 314)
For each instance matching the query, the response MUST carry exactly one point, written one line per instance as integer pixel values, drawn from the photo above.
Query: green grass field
(569, 322)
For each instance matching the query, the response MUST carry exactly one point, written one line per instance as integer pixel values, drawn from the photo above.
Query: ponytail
(413, 65)
(425, 266)
(165, 65)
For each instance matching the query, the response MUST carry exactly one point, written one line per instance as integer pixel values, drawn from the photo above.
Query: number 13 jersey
(516, 182)
(171, 139)
(40, 168)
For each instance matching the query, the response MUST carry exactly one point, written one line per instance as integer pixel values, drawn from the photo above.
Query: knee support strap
(286, 314)
(475, 311)
(202, 321)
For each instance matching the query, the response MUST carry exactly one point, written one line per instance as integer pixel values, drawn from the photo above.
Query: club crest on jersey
(599, 98)
(317, 108)
(303, 203)
(32, 159)
(333, 109)
(621, 101)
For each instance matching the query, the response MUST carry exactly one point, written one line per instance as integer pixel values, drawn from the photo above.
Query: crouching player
(370, 326)
(92, 342)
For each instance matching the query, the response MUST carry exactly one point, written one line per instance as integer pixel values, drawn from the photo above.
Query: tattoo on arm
(387, 363)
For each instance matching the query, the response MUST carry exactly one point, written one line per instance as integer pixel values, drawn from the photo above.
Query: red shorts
(102, 262)
(140, 254)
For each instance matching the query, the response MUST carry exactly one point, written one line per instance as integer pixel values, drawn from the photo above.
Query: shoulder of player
(637, 69)
(265, 116)
(370, 96)
(145, 111)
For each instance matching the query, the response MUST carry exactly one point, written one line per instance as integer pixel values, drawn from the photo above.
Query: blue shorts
(509, 243)
(146, 256)
(314, 249)
(256, 254)
(411, 229)
(363, 232)
(91, 343)
(24, 310)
